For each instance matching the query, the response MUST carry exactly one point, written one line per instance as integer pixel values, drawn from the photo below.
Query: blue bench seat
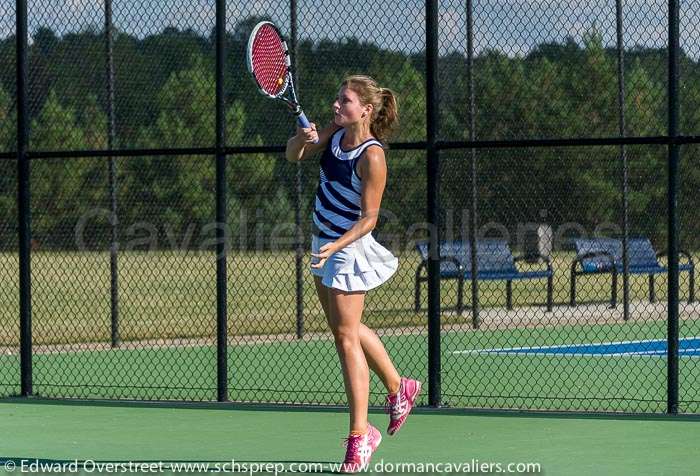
(604, 256)
(495, 263)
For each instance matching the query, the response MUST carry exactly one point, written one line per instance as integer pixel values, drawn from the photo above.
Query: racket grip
(303, 121)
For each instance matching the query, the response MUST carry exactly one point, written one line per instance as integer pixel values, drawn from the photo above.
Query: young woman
(346, 260)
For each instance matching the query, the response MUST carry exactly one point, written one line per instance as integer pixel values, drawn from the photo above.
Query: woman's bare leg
(375, 353)
(346, 312)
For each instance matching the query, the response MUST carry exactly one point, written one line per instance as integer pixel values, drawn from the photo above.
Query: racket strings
(269, 61)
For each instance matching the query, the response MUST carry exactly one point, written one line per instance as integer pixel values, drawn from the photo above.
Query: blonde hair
(385, 112)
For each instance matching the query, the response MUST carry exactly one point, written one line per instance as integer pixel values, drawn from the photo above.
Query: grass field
(171, 295)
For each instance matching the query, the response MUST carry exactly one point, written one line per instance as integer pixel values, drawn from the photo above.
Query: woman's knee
(346, 337)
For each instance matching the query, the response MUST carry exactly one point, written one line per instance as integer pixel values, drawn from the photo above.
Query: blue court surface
(687, 347)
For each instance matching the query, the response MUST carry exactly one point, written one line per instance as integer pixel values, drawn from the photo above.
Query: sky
(514, 27)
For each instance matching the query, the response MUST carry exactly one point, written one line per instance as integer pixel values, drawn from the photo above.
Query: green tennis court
(475, 372)
(176, 435)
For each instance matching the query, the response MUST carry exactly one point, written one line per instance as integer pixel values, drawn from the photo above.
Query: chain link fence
(159, 343)
(124, 262)
(689, 393)
(9, 277)
(529, 62)
(9, 265)
(690, 45)
(528, 356)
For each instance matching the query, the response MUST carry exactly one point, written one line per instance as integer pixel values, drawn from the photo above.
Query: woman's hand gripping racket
(269, 63)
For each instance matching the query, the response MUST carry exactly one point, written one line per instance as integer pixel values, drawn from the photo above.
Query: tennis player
(346, 260)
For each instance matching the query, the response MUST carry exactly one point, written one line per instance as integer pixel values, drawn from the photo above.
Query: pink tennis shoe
(359, 450)
(399, 405)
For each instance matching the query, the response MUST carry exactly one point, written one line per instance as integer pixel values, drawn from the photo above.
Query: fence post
(23, 205)
(299, 245)
(623, 157)
(433, 170)
(111, 143)
(221, 215)
(473, 218)
(674, 155)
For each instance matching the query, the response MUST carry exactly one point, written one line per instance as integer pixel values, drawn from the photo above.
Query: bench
(604, 256)
(495, 263)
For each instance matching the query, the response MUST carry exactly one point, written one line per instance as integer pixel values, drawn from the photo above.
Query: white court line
(561, 346)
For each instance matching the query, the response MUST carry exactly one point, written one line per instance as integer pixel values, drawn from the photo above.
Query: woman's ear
(368, 110)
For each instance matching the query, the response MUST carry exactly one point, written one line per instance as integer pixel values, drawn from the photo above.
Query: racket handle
(303, 122)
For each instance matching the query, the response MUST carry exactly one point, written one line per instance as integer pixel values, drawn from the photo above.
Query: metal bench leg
(550, 292)
(613, 297)
(572, 295)
(652, 295)
(691, 298)
(509, 295)
(476, 320)
(417, 295)
(460, 295)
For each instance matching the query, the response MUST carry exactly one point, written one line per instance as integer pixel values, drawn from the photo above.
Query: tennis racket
(270, 65)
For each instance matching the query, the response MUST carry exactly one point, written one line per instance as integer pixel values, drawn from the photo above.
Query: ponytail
(386, 117)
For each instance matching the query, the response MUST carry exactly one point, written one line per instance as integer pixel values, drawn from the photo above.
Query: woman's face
(347, 108)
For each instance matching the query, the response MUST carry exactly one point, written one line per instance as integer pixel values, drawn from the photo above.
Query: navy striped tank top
(337, 206)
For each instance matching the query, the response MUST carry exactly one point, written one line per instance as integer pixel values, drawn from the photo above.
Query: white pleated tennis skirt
(360, 266)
